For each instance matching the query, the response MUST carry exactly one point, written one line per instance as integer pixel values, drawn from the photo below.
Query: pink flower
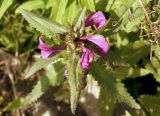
(100, 41)
(95, 18)
(87, 58)
(47, 50)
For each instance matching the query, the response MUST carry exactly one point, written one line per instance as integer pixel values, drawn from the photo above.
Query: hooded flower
(95, 18)
(98, 19)
(87, 58)
(47, 50)
(100, 41)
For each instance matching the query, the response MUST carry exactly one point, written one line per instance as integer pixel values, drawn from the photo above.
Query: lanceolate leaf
(41, 63)
(45, 26)
(117, 89)
(58, 10)
(80, 19)
(14, 104)
(91, 4)
(31, 5)
(4, 6)
(74, 79)
(53, 77)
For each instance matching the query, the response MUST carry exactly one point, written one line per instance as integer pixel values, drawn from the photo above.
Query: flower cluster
(96, 18)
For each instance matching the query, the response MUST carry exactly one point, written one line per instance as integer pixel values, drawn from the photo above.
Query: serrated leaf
(133, 52)
(154, 68)
(117, 89)
(4, 6)
(14, 104)
(74, 79)
(41, 63)
(53, 77)
(45, 26)
(31, 5)
(123, 72)
(151, 103)
(106, 102)
(79, 21)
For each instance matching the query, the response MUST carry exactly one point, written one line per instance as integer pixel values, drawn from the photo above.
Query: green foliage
(106, 102)
(45, 26)
(129, 14)
(4, 6)
(79, 22)
(58, 10)
(14, 104)
(154, 68)
(124, 72)
(31, 5)
(133, 52)
(151, 103)
(53, 77)
(75, 76)
(116, 88)
(41, 63)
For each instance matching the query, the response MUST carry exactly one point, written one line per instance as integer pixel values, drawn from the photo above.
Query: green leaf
(79, 21)
(154, 68)
(151, 103)
(133, 52)
(71, 12)
(91, 5)
(58, 10)
(125, 15)
(31, 5)
(53, 77)
(4, 6)
(74, 78)
(116, 88)
(45, 26)
(14, 104)
(124, 72)
(41, 63)
(106, 102)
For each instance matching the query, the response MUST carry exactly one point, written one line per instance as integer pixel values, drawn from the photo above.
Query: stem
(11, 77)
(153, 29)
(17, 47)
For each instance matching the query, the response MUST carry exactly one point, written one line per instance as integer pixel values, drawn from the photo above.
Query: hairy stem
(153, 29)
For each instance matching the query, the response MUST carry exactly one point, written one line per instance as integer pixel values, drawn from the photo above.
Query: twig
(150, 23)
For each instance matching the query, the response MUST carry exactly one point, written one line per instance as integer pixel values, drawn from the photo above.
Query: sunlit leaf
(4, 6)
(31, 5)
(41, 63)
(14, 104)
(46, 27)
(53, 77)
(117, 89)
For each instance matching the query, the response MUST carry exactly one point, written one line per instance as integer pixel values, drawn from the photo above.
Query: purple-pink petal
(95, 18)
(47, 50)
(86, 58)
(100, 41)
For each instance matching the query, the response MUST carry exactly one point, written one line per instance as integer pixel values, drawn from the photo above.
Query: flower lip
(96, 18)
(47, 50)
(86, 58)
(100, 41)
